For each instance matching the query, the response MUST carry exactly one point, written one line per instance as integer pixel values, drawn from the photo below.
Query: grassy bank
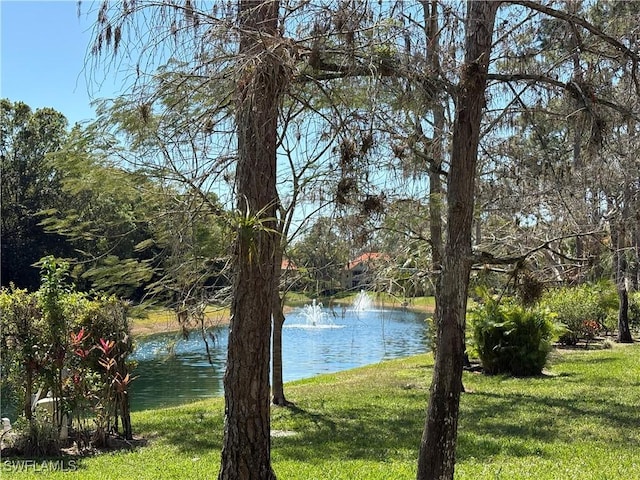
(158, 321)
(580, 421)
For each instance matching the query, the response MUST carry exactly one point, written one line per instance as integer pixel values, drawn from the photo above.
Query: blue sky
(44, 47)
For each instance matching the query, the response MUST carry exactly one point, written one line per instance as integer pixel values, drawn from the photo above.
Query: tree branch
(571, 87)
(489, 259)
(576, 20)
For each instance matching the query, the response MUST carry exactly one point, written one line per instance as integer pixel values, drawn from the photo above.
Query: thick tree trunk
(437, 449)
(246, 449)
(624, 332)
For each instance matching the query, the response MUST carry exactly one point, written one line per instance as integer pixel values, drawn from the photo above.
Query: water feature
(315, 316)
(362, 302)
(315, 340)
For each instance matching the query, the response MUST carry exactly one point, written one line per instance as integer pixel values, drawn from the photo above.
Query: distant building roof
(288, 265)
(368, 257)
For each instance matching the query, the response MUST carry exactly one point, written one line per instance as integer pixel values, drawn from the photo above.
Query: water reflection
(172, 371)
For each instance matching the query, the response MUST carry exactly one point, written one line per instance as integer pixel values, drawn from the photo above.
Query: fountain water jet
(362, 302)
(314, 316)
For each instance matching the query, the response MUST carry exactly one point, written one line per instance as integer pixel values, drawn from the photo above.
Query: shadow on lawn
(518, 424)
(192, 429)
(514, 419)
(353, 432)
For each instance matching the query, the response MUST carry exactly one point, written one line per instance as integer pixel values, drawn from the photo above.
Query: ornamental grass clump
(512, 339)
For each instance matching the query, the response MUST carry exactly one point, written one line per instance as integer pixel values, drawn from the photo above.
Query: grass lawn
(580, 421)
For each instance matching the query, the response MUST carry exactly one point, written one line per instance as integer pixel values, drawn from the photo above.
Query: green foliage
(36, 437)
(135, 234)
(30, 183)
(510, 338)
(22, 352)
(585, 310)
(321, 254)
(75, 347)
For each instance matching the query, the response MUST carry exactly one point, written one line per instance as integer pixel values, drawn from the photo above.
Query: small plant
(510, 338)
(607, 344)
(35, 437)
(589, 330)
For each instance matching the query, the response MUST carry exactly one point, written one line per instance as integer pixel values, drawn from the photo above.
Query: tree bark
(436, 194)
(618, 234)
(277, 383)
(437, 449)
(437, 148)
(246, 450)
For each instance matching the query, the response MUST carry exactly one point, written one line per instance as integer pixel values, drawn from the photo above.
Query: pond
(315, 340)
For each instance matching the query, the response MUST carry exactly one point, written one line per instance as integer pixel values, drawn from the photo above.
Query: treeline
(123, 231)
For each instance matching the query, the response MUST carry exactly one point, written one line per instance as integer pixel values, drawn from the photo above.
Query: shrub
(585, 310)
(510, 338)
(35, 437)
(75, 347)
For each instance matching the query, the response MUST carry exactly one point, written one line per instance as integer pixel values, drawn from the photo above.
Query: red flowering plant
(108, 345)
(81, 384)
(77, 343)
(72, 345)
(589, 330)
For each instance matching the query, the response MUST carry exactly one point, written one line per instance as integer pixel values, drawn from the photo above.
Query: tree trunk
(28, 407)
(437, 148)
(246, 450)
(635, 270)
(618, 234)
(624, 332)
(437, 449)
(436, 194)
(277, 384)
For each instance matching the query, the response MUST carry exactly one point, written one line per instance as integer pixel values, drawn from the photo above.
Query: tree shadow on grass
(517, 424)
(194, 429)
(352, 432)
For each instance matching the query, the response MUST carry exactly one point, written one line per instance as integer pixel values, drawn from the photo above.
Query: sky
(43, 52)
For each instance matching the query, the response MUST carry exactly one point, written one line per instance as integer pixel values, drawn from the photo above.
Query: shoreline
(166, 321)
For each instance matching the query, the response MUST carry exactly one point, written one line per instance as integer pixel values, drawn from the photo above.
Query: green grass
(579, 421)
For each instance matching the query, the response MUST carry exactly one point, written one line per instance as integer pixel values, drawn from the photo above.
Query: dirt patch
(72, 450)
